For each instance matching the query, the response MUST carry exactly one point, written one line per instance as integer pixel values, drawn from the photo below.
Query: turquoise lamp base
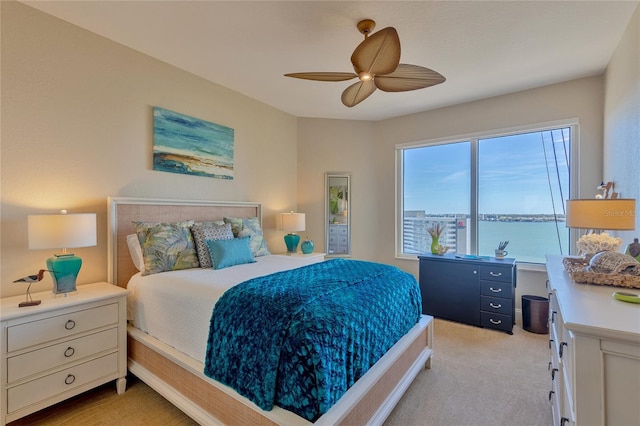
(291, 241)
(64, 271)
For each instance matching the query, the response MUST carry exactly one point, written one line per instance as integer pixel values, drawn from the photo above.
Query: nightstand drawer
(37, 390)
(35, 362)
(48, 329)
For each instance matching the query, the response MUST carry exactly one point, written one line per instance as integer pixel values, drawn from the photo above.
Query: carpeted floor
(479, 377)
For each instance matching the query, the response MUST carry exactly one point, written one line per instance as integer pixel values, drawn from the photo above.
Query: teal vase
(307, 246)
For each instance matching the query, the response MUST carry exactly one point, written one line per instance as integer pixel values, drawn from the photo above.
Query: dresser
(594, 343)
(478, 292)
(338, 238)
(62, 347)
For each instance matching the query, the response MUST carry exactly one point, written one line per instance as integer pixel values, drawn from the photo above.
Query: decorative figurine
(633, 249)
(30, 279)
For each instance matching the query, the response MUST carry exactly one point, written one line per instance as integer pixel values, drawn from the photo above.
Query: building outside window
(486, 189)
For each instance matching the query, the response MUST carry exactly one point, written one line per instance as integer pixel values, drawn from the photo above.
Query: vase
(307, 246)
(435, 243)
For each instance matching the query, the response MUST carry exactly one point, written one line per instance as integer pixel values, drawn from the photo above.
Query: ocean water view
(528, 241)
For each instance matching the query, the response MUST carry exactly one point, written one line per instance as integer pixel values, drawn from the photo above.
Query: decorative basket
(576, 267)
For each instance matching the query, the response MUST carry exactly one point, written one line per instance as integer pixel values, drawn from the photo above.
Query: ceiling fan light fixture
(376, 62)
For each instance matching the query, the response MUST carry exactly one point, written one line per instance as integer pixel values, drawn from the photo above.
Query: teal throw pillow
(226, 253)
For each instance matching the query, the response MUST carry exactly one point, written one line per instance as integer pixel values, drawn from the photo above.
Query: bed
(178, 374)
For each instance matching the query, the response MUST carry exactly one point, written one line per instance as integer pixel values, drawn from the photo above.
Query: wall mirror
(338, 214)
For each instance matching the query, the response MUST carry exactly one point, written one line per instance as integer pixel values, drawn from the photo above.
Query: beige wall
(77, 128)
(339, 146)
(622, 119)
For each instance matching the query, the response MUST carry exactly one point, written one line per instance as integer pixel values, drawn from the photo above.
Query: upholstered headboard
(123, 211)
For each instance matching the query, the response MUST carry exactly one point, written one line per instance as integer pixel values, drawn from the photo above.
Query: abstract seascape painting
(188, 145)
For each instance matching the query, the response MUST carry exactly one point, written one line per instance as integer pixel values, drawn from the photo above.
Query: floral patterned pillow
(209, 231)
(166, 246)
(249, 227)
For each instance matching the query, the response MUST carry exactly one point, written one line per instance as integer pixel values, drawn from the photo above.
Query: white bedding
(175, 307)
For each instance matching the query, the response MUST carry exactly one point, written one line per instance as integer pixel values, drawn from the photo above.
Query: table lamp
(617, 214)
(599, 214)
(62, 231)
(292, 223)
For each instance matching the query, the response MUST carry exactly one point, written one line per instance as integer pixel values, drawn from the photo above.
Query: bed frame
(180, 378)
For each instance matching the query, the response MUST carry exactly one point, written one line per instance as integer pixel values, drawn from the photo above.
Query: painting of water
(188, 145)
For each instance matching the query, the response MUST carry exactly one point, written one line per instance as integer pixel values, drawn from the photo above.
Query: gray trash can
(535, 314)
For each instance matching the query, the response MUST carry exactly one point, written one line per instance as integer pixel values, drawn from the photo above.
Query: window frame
(574, 167)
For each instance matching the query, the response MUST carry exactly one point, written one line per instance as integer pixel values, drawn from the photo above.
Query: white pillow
(135, 250)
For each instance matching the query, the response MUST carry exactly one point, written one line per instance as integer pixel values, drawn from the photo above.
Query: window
(486, 189)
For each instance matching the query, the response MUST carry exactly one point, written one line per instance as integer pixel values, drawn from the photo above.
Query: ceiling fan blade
(358, 92)
(323, 76)
(408, 77)
(379, 53)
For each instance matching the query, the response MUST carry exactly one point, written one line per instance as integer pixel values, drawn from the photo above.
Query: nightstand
(62, 347)
(309, 258)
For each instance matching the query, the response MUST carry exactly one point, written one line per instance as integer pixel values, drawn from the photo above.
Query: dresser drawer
(496, 321)
(495, 304)
(496, 273)
(37, 390)
(496, 289)
(45, 330)
(57, 355)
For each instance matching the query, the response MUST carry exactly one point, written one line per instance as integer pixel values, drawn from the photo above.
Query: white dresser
(62, 347)
(338, 238)
(595, 352)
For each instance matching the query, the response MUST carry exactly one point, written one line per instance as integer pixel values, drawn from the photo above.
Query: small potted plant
(436, 230)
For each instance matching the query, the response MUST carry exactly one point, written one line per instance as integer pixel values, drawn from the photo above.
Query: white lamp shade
(62, 231)
(614, 214)
(292, 222)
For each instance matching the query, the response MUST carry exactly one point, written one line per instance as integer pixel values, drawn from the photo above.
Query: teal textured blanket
(300, 338)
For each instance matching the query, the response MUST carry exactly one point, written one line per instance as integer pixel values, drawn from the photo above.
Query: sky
(514, 177)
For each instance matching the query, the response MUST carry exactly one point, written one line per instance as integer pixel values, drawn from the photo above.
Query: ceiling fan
(376, 62)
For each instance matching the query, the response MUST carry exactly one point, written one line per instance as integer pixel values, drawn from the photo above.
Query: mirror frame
(330, 216)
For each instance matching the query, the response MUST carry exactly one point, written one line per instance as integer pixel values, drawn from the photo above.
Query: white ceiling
(483, 48)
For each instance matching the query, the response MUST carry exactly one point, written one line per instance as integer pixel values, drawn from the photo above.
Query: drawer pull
(492, 321)
(563, 421)
(69, 325)
(562, 345)
(550, 342)
(549, 366)
(69, 352)
(498, 306)
(553, 373)
(551, 394)
(493, 274)
(69, 379)
(495, 290)
(553, 317)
